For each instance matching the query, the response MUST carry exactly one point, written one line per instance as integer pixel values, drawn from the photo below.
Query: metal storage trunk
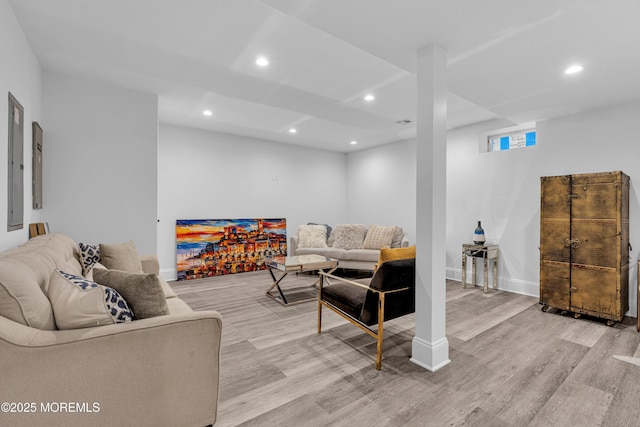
(584, 244)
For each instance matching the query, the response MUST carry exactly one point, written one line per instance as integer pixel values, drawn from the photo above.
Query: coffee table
(297, 264)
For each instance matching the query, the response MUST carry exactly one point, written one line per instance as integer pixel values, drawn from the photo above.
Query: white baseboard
(504, 283)
(169, 274)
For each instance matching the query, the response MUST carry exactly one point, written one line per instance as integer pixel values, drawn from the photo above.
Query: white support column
(430, 347)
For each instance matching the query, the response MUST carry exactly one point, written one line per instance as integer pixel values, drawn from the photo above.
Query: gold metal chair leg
(320, 303)
(380, 331)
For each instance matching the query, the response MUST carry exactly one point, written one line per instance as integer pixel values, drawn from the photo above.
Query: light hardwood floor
(511, 364)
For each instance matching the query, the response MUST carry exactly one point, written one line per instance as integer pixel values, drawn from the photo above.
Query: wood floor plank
(624, 409)
(584, 333)
(530, 386)
(574, 404)
(472, 325)
(290, 414)
(599, 369)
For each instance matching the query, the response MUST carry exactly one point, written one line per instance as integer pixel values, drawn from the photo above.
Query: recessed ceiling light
(262, 61)
(369, 97)
(354, 142)
(207, 113)
(292, 130)
(573, 69)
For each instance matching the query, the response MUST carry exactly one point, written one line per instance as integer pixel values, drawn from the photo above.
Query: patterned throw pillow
(81, 303)
(378, 237)
(89, 256)
(312, 236)
(349, 236)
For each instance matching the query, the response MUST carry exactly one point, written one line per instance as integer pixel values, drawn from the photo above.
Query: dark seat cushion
(346, 297)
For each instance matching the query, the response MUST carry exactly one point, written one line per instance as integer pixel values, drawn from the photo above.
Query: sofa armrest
(150, 264)
(293, 245)
(167, 365)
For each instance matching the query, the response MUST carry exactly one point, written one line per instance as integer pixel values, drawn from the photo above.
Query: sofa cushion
(346, 297)
(143, 292)
(368, 255)
(89, 256)
(121, 256)
(335, 253)
(21, 298)
(178, 306)
(312, 236)
(81, 303)
(166, 288)
(393, 254)
(349, 236)
(378, 237)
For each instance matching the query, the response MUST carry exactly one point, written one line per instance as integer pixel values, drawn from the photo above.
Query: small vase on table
(478, 235)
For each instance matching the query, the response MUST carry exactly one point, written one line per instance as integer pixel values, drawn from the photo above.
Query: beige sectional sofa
(355, 246)
(160, 371)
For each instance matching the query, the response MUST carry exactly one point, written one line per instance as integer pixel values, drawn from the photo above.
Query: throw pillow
(349, 236)
(328, 227)
(331, 238)
(393, 254)
(312, 236)
(397, 238)
(122, 256)
(378, 237)
(81, 303)
(142, 291)
(89, 256)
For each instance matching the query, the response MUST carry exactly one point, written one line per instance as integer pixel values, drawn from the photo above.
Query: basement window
(512, 140)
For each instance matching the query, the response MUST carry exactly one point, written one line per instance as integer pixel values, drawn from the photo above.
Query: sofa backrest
(24, 278)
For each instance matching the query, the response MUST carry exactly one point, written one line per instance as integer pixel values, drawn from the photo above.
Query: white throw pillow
(81, 303)
(378, 237)
(312, 236)
(349, 236)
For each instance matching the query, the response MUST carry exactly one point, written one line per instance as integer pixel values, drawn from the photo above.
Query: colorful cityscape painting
(215, 247)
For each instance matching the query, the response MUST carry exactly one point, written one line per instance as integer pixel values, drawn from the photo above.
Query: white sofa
(356, 258)
(160, 371)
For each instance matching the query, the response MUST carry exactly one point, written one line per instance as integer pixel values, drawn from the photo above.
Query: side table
(486, 252)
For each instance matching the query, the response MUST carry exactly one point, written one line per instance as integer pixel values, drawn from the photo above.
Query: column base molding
(431, 356)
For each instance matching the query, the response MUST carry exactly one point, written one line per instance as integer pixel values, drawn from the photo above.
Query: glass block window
(512, 140)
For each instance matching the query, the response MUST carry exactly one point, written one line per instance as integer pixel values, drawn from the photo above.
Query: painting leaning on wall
(215, 247)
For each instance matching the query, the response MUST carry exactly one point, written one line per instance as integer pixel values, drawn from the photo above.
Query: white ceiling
(505, 60)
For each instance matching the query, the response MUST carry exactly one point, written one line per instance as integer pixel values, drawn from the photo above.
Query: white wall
(19, 74)
(381, 185)
(502, 189)
(99, 162)
(209, 175)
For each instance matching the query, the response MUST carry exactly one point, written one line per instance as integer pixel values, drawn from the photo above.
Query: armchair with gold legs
(389, 294)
